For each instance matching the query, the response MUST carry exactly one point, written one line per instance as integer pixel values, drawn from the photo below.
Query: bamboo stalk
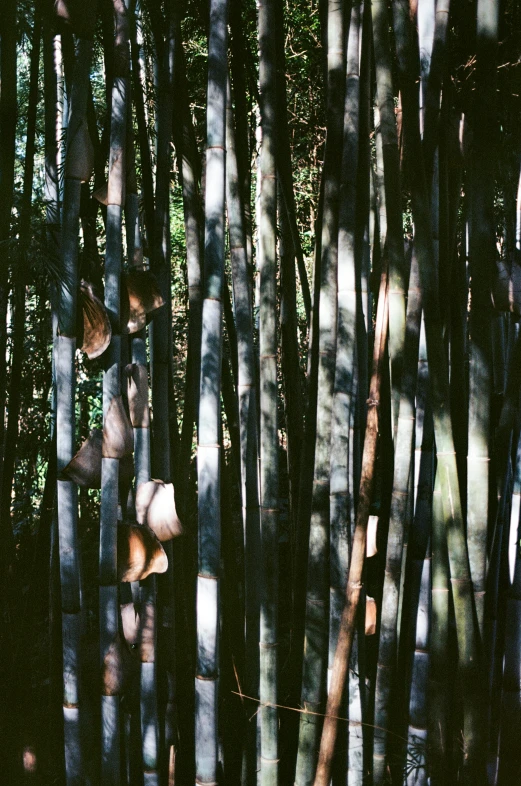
(20, 278)
(268, 434)
(138, 89)
(189, 168)
(8, 117)
(354, 580)
(391, 177)
(289, 249)
(246, 391)
(157, 597)
(345, 388)
(64, 349)
(109, 603)
(418, 704)
(403, 472)
(208, 451)
(317, 594)
(481, 250)
(509, 759)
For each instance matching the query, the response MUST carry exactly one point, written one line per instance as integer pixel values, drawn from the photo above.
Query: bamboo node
(355, 584)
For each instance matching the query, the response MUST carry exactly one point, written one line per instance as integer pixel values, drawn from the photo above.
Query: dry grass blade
(137, 376)
(131, 622)
(118, 668)
(140, 296)
(102, 194)
(85, 467)
(118, 437)
(96, 331)
(139, 552)
(155, 505)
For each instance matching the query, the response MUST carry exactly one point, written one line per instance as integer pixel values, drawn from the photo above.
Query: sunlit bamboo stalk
(342, 496)
(317, 594)
(247, 394)
(64, 352)
(109, 602)
(481, 247)
(209, 450)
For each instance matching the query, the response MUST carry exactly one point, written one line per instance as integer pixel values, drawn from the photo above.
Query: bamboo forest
(260, 392)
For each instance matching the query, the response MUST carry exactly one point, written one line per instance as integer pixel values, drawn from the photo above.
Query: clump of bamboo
(467, 632)
(354, 578)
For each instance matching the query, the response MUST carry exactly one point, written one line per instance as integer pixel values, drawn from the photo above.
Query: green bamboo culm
(247, 394)
(342, 493)
(467, 632)
(313, 691)
(268, 434)
(108, 594)
(67, 493)
(209, 450)
(481, 253)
